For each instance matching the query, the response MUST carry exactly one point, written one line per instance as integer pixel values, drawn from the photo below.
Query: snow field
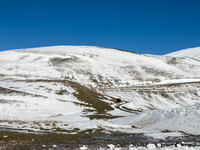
(110, 72)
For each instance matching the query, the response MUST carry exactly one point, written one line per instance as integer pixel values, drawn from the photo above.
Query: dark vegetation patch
(58, 61)
(90, 137)
(102, 116)
(166, 131)
(91, 97)
(2, 75)
(86, 96)
(17, 140)
(4, 101)
(61, 130)
(61, 91)
(172, 60)
(89, 110)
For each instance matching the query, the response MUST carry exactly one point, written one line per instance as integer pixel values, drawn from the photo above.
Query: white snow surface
(170, 120)
(159, 93)
(190, 52)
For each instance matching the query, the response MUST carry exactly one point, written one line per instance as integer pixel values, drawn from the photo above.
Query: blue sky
(145, 26)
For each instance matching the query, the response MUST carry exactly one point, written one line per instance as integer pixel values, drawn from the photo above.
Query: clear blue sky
(145, 26)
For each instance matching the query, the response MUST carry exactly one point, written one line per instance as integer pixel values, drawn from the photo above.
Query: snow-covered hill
(190, 52)
(75, 88)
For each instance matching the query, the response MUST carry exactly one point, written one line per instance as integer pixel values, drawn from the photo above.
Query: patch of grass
(172, 60)
(90, 137)
(61, 91)
(102, 116)
(91, 97)
(82, 104)
(58, 129)
(17, 137)
(59, 61)
(166, 131)
(87, 97)
(165, 95)
(135, 127)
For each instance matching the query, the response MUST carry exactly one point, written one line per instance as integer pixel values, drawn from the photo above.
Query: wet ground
(14, 140)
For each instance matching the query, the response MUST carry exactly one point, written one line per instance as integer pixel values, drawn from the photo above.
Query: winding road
(119, 106)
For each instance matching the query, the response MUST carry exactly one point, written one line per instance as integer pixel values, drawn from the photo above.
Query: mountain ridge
(91, 87)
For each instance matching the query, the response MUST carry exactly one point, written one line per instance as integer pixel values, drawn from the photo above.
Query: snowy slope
(76, 62)
(76, 87)
(177, 119)
(190, 52)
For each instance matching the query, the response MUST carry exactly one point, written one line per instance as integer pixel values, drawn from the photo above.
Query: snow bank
(185, 120)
